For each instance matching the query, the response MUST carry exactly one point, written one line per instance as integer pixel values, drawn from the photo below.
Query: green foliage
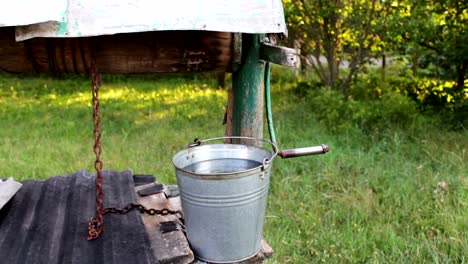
(441, 29)
(323, 30)
(436, 94)
(374, 104)
(433, 97)
(339, 114)
(387, 192)
(282, 75)
(441, 98)
(380, 196)
(432, 35)
(428, 93)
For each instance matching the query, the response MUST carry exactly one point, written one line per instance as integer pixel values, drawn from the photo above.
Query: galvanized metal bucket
(223, 190)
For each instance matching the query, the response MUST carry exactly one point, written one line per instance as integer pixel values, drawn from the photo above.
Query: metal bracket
(278, 55)
(171, 191)
(151, 189)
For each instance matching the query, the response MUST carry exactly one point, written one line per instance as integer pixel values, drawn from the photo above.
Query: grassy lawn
(393, 194)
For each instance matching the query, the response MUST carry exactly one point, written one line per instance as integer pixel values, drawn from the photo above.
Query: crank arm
(298, 152)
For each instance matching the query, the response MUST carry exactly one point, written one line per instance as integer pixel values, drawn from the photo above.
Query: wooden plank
(278, 55)
(13, 56)
(169, 247)
(265, 252)
(146, 52)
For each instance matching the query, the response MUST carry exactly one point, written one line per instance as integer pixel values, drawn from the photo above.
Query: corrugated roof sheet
(46, 222)
(79, 18)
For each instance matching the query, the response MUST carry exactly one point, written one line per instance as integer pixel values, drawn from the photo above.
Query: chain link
(143, 210)
(95, 225)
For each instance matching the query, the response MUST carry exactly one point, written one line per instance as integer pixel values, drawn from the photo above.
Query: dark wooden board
(144, 52)
(171, 247)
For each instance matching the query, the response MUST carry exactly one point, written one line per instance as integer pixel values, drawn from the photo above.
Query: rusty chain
(95, 225)
(142, 210)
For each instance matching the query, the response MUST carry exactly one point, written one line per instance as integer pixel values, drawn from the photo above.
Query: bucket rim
(225, 175)
(197, 142)
(263, 167)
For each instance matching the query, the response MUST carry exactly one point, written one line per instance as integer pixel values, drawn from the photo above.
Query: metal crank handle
(298, 152)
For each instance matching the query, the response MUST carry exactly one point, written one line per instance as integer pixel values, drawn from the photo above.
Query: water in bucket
(216, 166)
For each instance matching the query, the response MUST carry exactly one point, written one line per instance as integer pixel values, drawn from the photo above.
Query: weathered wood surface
(247, 91)
(171, 247)
(265, 252)
(146, 52)
(278, 55)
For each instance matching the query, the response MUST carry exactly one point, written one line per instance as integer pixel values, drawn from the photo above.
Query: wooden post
(247, 91)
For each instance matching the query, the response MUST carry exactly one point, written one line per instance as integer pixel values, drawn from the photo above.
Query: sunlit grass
(51, 129)
(395, 194)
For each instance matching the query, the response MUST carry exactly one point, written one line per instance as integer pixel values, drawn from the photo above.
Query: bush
(434, 97)
(389, 111)
(428, 93)
(368, 87)
(397, 101)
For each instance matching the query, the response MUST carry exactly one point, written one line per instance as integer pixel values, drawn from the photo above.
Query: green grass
(46, 126)
(379, 195)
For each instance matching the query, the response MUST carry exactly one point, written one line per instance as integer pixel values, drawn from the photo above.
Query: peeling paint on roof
(92, 18)
(26, 12)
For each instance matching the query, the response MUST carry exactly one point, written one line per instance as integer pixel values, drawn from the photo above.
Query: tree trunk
(332, 67)
(320, 70)
(221, 79)
(414, 63)
(461, 71)
(384, 65)
(298, 66)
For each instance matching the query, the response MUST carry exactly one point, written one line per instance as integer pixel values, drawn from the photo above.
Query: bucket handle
(198, 142)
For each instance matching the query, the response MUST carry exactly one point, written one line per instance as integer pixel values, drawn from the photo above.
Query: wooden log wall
(145, 52)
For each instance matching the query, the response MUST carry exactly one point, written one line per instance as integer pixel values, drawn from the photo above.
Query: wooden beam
(278, 55)
(145, 52)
